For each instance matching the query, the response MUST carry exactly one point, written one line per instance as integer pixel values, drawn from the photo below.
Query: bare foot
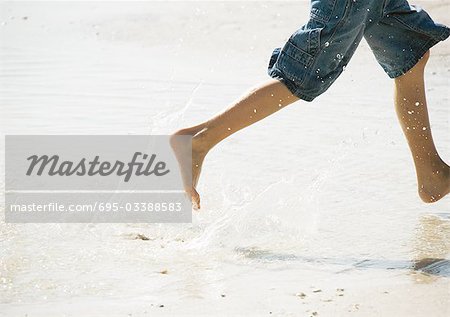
(198, 155)
(435, 185)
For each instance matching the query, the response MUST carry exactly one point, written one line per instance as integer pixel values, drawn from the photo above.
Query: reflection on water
(431, 247)
(432, 266)
(438, 267)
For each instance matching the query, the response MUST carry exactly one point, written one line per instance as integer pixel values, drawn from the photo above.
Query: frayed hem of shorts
(292, 87)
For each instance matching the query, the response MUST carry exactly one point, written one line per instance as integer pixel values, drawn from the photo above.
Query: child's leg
(256, 105)
(411, 106)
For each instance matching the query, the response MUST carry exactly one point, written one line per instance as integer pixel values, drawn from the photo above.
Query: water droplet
(417, 104)
(254, 110)
(424, 128)
(229, 129)
(411, 112)
(327, 44)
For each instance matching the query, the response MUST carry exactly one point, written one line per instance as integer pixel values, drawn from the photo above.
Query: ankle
(432, 167)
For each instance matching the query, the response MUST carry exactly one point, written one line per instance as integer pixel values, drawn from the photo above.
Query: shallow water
(319, 196)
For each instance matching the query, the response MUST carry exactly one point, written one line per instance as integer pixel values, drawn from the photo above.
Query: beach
(311, 212)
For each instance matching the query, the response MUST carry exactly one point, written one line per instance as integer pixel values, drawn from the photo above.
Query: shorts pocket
(322, 10)
(290, 68)
(294, 60)
(303, 45)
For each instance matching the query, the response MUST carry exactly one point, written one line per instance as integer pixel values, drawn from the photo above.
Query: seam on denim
(323, 19)
(314, 34)
(319, 34)
(413, 28)
(309, 41)
(298, 48)
(445, 33)
(382, 8)
(344, 19)
(317, 17)
(293, 88)
(295, 78)
(291, 84)
(406, 24)
(330, 38)
(303, 96)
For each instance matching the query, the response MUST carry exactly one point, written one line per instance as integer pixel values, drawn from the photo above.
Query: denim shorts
(398, 33)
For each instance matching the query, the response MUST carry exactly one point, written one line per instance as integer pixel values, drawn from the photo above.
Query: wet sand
(312, 212)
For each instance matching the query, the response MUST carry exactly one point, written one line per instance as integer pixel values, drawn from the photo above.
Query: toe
(196, 200)
(195, 197)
